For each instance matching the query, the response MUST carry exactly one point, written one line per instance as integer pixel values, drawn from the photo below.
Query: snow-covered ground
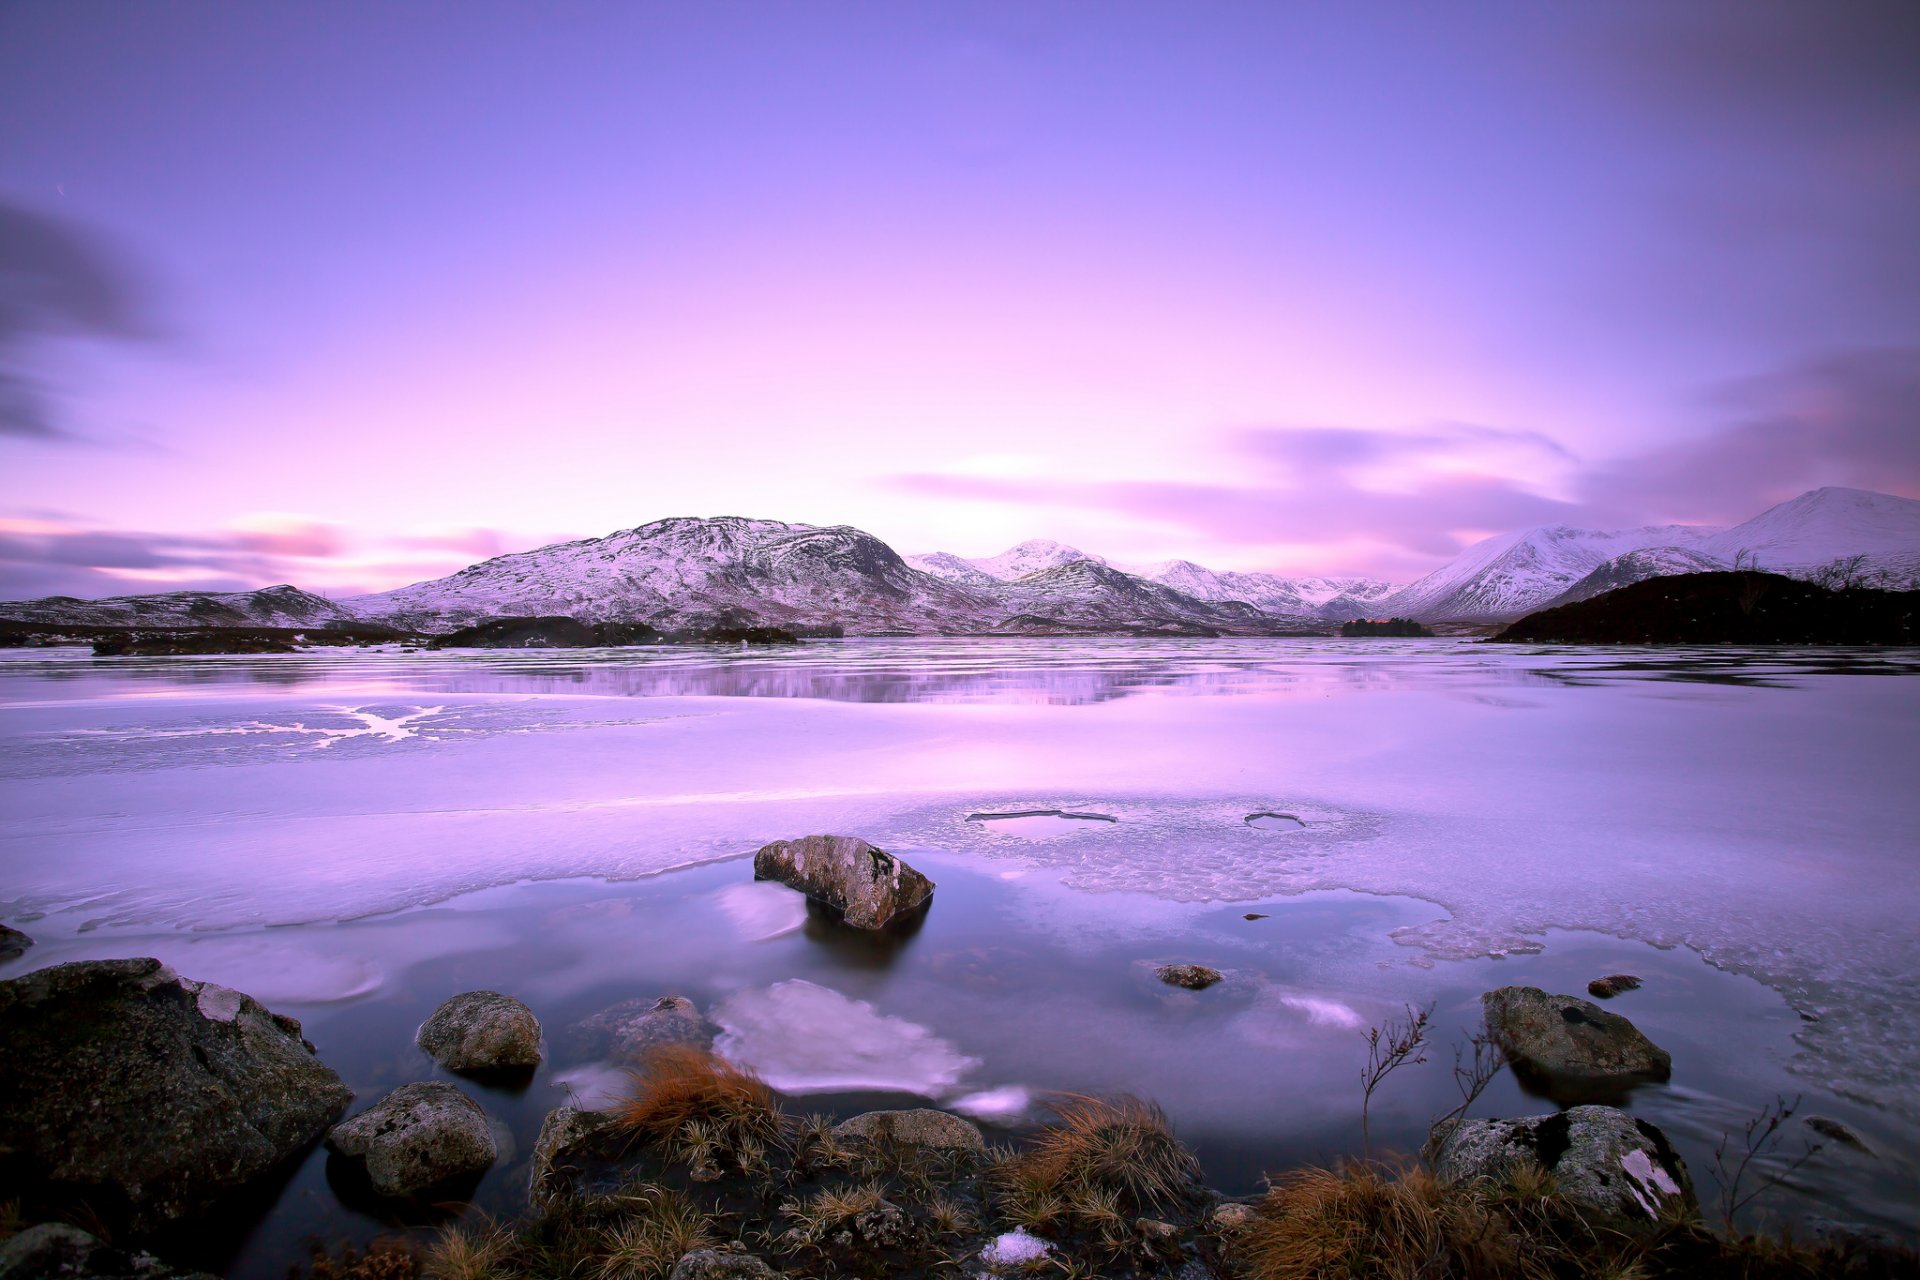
(1756, 808)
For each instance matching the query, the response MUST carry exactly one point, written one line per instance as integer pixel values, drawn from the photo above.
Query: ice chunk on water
(1324, 1012)
(763, 908)
(1007, 1100)
(595, 1086)
(805, 1038)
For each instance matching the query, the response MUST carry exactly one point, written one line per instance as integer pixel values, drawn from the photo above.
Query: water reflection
(1039, 672)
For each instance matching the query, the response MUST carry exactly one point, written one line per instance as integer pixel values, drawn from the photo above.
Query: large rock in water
(145, 1096)
(630, 1030)
(870, 886)
(1602, 1160)
(482, 1031)
(13, 943)
(1578, 1050)
(418, 1136)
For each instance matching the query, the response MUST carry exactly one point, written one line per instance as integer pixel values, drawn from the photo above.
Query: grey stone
(145, 1095)
(869, 886)
(56, 1251)
(631, 1029)
(1612, 985)
(1232, 1216)
(1194, 977)
(482, 1031)
(566, 1130)
(711, 1264)
(13, 943)
(1571, 1042)
(418, 1136)
(1602, 1160)
(920, 1127)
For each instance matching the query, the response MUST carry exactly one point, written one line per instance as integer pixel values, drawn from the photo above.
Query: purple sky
(351, 294)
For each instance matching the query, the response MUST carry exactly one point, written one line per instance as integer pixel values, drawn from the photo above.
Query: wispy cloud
(57, 280)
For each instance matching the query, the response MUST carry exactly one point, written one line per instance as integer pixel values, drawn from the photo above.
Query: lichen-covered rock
(629, 1030)
(712, 1264)
(919, 1127)
(56, 1251)
(144, 1096)
(418, 1136)
(13, 943)
(565, 1131)
(1231, 1217)
(1612, 985)
(1602, 1160)
(482, 1031)
(1194, 977)
(869, 886)
(1571, 1043)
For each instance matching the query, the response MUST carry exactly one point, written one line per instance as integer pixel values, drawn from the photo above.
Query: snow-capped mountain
(1514, 573)
(1035, 555)
(1825, 525)
(1636, 566)
(1333, 598)
(281, 606)
(687, 572)
(1088, 593)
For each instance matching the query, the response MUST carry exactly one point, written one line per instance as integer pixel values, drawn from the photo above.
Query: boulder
(566, 1130)
(13, 943)
(145, 1096)
(418, 1136)
(56, 1251)
(920, 1127)
(482, 1031)
(629, 1030)
(1602, 1160)
(1578, 1050)
(1612, 985)
(1194, 977)
(712, 1264)
(869, 886)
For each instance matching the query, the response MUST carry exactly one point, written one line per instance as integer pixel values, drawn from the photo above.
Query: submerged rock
(1602, 1160)
(418, 1136)
(1572, 1045)
(13, 943)
(1838, 1132)
(920, 1127)
(628, 1030)
(712, 1264)
(145, 1096)
(565, 1131)
(869, 886)
(1194, 977)
(482, 1031)
(1612, 985)
(54, 1249)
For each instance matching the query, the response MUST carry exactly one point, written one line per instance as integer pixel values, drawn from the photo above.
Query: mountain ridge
(689, 573)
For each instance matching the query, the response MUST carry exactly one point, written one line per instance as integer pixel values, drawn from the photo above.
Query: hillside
(1727, 608)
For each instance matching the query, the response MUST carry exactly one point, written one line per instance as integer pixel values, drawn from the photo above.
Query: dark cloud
(57, 280)
(1850, 418)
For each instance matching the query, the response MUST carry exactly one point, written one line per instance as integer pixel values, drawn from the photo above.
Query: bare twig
(1393, 1044)
(1762, 1135)
(1472, 1074)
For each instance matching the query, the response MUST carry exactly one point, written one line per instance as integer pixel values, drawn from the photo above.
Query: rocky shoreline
(139, 1100)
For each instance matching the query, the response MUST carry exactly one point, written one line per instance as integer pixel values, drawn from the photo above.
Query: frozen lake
(352, 837)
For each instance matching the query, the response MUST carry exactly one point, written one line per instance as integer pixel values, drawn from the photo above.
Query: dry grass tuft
(380, 1260)
(701, 1108)
(660, 1227)
(1105, 1158)
(464, 1253)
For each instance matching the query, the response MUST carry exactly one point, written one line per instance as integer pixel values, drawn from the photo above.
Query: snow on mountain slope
(281, 606)
(1637, 566)
(1291, 597)
(1514, 573)
(688, 572)
(1035, 555)
(951, 567)
(1825, 525)
(1088, 593)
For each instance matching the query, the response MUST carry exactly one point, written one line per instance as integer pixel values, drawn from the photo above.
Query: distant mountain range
(686, 573)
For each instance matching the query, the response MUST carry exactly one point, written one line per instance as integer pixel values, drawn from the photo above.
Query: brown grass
(1106, 1160)
(469, 1253)
(701, 1107)
(662, 1226)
